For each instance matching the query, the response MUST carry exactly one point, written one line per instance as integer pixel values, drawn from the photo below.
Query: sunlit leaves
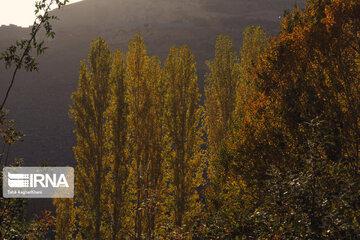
(90, 103)
(183, 121)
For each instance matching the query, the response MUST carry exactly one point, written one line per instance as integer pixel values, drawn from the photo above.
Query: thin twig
(26, 52)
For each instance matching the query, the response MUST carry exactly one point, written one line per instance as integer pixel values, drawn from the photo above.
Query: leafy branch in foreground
(19, 54)
(13, 224)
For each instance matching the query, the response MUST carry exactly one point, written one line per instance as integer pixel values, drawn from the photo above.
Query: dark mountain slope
(40, 101)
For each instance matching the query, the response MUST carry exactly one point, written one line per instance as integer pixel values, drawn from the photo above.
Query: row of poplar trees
(139, 145)
(273, 154)
(142, 159)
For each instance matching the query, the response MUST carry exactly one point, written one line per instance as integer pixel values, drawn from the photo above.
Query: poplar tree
(230, 84)
(117, 179)
(254, 43)
(65, 218)
(182, 118)
(137, 65)
(90, 103)
(154, 193)
(145, 138)
(220, 91)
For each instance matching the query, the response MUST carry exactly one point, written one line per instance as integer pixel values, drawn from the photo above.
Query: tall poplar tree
(137, 66)
(220, 91)
(117, 179)
(65, 218)
(230, 84)
(145, 112)
(90, 103)
(154, 193)
(182, 119)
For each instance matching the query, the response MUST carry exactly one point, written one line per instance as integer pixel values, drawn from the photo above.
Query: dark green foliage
(318, 201)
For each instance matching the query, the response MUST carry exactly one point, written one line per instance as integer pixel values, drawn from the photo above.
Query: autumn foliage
(272, 154)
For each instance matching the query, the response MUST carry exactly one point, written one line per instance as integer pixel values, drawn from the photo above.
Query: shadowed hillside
(40, 101)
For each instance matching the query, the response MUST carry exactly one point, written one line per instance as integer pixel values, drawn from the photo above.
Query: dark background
(40, 101)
